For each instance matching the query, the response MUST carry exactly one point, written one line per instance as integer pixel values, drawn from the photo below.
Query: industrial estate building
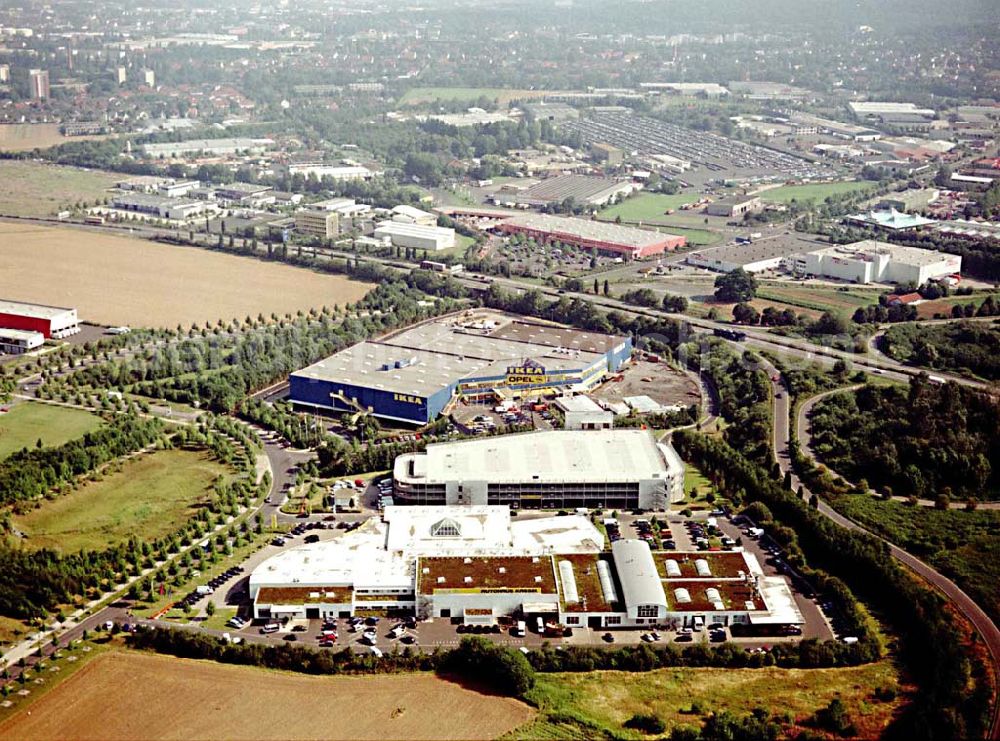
(318, 223)
(878, 262)
(603, 237)
(620, 469)
(19, 341)
(50, 321)
(583, 190)
(477, 565)
(416, 236)
(734, 207)
(889, 221)
(413, 375)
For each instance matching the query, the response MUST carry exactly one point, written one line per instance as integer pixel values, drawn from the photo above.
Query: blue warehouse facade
(412, 377)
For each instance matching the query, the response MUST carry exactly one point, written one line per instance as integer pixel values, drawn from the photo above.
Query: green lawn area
(696, 480)
(152, 496)
(218, 621)
(698, 237)
(28, 422)
(811, 192)
(646, 207)
(597, 704)
(820, 298)
(37, 189)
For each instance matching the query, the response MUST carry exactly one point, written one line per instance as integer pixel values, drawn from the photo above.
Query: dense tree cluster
(969, 347)
(916, 441)
(744, 395)
(737, 286)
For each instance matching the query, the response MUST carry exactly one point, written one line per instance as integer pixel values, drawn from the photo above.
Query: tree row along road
(962, 602)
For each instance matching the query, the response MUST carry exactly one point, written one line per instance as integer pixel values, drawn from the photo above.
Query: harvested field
(116, 280)
(38, 189)
(25, 137)
(129, 696)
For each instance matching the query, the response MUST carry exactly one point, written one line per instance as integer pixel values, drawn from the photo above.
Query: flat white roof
(551, 456)
(21, 334)
(35, 311)
(577, 403)
(382, 554)
(358, 558)
(412, 230)
(481, 530)
(868, 248)
(781, 607)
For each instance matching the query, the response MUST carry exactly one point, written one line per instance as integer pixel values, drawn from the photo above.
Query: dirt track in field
(130, 696)
(116, 280)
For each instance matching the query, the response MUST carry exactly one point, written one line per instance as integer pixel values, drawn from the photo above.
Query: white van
(271, 628)
(539, 626)
(520, 629)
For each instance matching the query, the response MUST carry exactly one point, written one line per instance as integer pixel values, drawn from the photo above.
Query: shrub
(646, 723)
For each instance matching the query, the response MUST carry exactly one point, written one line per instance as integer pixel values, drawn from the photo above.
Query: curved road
(962, 601)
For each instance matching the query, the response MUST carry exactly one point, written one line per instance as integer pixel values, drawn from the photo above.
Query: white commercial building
(404, 214)
(878, 262)
(583, 413)
(477, 565)
(617, 469)
(19, 341)
(340, 173)
(430, 238)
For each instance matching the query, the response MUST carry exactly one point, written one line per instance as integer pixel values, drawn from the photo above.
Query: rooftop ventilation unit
(607, 583)
(682, 596)
(701, 566)
(570, 593)
(673, 568)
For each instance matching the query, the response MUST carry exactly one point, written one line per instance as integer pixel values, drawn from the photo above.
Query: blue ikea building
(413, 376)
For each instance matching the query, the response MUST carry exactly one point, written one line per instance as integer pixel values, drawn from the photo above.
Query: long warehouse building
(483, 356)
(555, 469)
(52, 321)
(608, 239)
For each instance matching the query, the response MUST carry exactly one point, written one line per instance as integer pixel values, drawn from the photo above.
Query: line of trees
(29, 474)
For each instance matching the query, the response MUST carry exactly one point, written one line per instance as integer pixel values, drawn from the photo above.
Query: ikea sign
(408, 398)
(518, 375)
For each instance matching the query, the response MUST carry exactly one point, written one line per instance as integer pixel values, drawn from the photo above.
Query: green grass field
(646, 207)
(597, 704)
(37, 189)
(812, 192)
(820, 298)
(28, 422)
(152, 496)
(696, 237)
(419, 95)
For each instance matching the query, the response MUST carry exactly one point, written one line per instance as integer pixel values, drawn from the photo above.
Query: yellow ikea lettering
(407, 398)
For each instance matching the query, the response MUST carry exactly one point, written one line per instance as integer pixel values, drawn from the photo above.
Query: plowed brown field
(131, 696)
